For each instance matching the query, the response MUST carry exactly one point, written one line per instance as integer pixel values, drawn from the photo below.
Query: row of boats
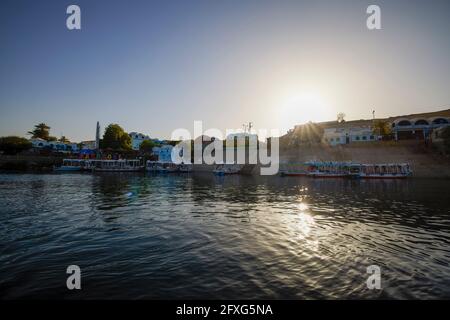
(314, 169)
(135, 165)
(322, 169)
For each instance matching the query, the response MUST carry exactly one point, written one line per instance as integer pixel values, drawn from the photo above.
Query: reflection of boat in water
(74, 165)
(185, 167)
(226, 169)
(321, 169)
(162, 167)
(122, 165)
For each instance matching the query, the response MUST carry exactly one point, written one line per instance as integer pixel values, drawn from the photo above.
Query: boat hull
(67, 169)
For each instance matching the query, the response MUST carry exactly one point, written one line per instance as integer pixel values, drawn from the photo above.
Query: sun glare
(302, 108)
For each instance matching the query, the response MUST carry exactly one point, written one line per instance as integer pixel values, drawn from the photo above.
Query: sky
(155, 66)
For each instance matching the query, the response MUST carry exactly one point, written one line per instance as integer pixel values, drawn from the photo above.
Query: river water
(138, 236)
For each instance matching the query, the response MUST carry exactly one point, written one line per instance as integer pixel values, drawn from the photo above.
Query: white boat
(71, 165)
(122, 165)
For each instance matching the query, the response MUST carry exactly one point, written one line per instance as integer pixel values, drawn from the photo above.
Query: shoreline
(425, 161)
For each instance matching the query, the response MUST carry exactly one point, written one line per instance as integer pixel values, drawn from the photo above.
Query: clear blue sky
(154, 66)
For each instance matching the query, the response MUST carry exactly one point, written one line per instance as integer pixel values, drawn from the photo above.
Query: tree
(382, 128)
(41, 131)
(340, 117)
(147, 146)
(116, 138)
(12, 145)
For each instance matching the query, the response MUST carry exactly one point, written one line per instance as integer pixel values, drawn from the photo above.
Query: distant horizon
(154, 66)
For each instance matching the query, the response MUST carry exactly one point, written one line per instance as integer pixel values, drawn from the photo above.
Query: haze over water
(144, 236)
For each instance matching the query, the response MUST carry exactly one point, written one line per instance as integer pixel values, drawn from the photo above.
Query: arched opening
(404, 123)
(421, 122)
(440, 121)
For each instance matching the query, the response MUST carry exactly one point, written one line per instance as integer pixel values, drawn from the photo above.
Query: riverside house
(137, 139)
(54, 145)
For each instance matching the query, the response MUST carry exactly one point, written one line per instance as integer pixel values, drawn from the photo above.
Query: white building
(347, 134)
(54, 145)
(137, 139)
(38, 143)
(88, 145)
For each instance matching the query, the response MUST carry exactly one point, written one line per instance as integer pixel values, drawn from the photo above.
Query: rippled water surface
(145, 236)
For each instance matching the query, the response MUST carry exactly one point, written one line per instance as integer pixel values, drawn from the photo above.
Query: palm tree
(41, 131)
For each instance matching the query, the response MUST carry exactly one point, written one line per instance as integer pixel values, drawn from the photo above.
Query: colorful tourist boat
(385, 171)
(327, 169)
(73, 165)
(331, 169)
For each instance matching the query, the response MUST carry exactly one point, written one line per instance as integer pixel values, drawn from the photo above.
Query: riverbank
(425, 161)
(29, 163)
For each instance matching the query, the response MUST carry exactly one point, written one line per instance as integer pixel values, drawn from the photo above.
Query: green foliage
(382, 128)
(147, 146)
(116, 138)
(12, 145)
(41, 131)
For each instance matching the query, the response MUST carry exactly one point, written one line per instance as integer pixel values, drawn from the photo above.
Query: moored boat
(122, 165)
(385, 171)
(320, 169)
(72, 165)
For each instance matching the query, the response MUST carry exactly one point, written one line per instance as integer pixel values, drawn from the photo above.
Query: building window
(372, 137)
(338, 139)
(357, 138)
(364, 138)
(331, 140)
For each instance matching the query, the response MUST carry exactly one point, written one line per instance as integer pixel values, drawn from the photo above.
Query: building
(164, 153)
(418, 128)
(408, 127)
(88, 145)
(38, 143)
(348, 134)
(137, 139)
(54, 145)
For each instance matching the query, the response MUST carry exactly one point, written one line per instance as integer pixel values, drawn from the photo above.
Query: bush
(13, 145)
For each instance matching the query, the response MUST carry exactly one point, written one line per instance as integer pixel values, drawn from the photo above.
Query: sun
(302, 108)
